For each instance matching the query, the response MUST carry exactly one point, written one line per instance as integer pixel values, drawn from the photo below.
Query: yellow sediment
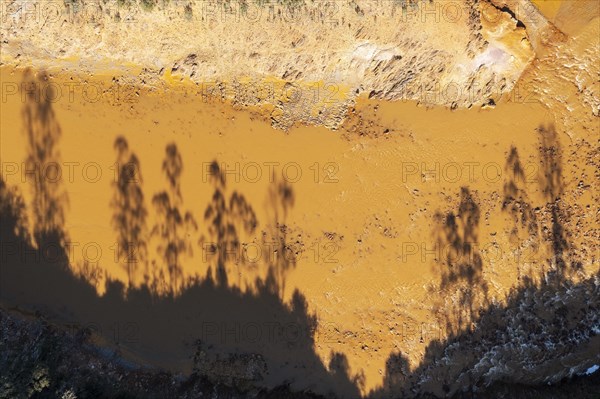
(362, 189)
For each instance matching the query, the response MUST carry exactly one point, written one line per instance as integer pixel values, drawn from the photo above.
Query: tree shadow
(43, 162)
(397, 373)
(129, 210)
(525, 341)
(280, 200)
(552, 185)
(461, 284)
(340, 371)
(226, 220)
(246, 339)
(517, 204)
(516, 200)
(173, 226)
(253, 338)
(13, 213)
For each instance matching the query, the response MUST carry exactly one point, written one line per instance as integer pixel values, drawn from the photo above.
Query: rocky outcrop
(309, 60)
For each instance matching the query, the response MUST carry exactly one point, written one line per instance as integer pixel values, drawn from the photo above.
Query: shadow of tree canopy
(280, 200)
(42, 163)
(245, 339)
(13, 212)
(552, 185)
(340, 370)
(129, 210)
(226, 219)
(525, 342)
(249, 339)
(516, 200)
(173, 228)
(520, 342)
(461, 275)
(517, 204)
